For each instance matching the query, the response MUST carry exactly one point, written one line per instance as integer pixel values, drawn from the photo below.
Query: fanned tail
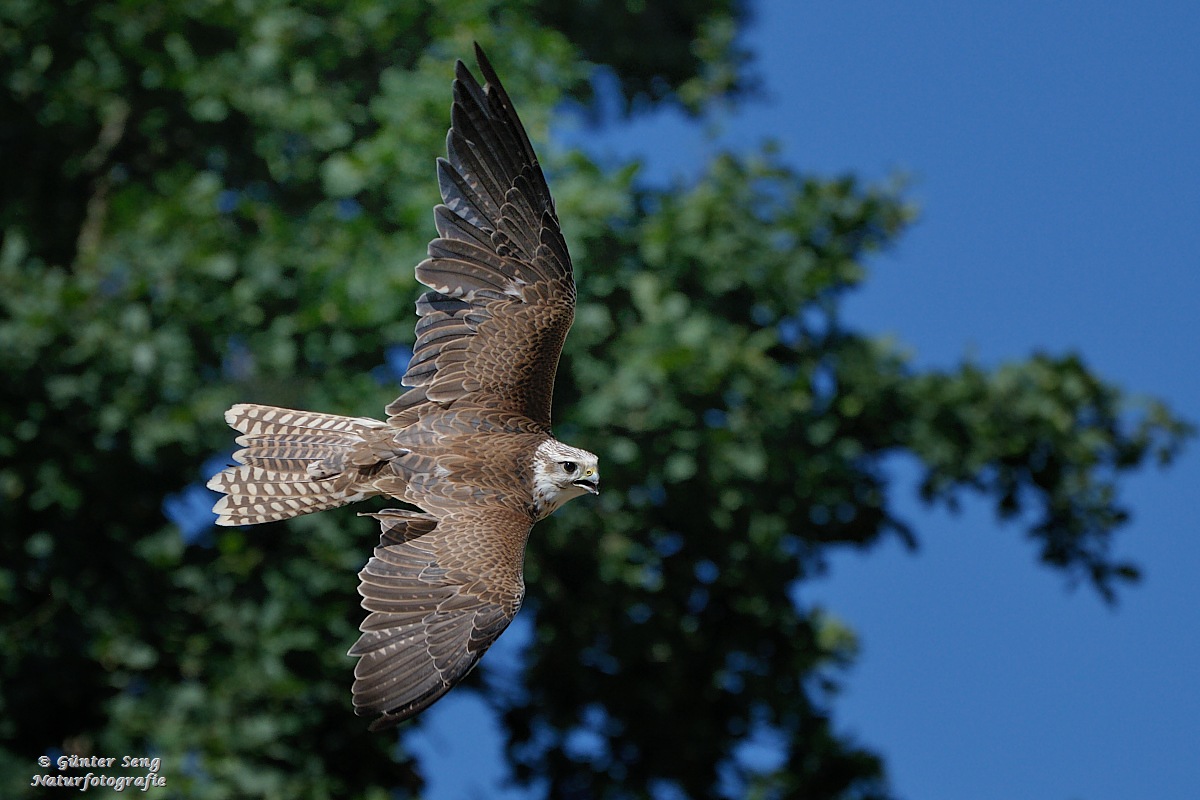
(292, 463)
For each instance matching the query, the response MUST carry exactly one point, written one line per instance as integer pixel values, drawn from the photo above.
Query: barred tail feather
(256, 420)
(292, 463)
(254, 495)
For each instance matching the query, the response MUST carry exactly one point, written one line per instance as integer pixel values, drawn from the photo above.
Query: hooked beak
(591, 485)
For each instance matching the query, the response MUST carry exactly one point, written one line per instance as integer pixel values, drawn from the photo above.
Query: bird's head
(560, 473)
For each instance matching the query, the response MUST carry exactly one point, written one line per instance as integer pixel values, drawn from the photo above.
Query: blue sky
(1054, 150)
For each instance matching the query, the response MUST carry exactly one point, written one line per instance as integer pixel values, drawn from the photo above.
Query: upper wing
(503, 294)
(440, 590)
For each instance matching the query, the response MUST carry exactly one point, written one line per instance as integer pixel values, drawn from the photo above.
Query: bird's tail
(292, 463)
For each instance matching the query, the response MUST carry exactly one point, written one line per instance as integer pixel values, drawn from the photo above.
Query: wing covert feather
(439, 591)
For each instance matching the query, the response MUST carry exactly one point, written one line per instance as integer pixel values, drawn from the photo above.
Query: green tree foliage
(682, 52)
(206, 203)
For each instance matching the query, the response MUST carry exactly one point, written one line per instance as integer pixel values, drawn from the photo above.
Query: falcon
(469, 442)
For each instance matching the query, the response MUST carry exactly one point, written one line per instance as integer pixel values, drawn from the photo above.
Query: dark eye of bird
(568, 466)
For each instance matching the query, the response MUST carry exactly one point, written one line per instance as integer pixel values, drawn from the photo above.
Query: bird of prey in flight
(468, 443)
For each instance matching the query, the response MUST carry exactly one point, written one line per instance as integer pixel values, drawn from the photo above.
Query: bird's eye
(568, 467)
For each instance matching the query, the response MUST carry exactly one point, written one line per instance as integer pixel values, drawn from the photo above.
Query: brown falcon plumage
(469, 443)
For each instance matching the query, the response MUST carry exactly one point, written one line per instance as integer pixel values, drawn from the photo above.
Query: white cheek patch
(543, 481)
(545, 490)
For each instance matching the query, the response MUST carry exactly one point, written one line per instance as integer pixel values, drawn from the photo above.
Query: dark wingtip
(386, 721)
(485, 66)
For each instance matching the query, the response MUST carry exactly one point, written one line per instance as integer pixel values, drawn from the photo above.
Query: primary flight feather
(469, 443)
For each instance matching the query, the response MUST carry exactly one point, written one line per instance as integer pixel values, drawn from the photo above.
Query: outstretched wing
(440, 590)
(503, 294)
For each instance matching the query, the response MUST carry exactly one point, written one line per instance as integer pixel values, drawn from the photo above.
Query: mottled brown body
(467, 455)
(469, 443)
